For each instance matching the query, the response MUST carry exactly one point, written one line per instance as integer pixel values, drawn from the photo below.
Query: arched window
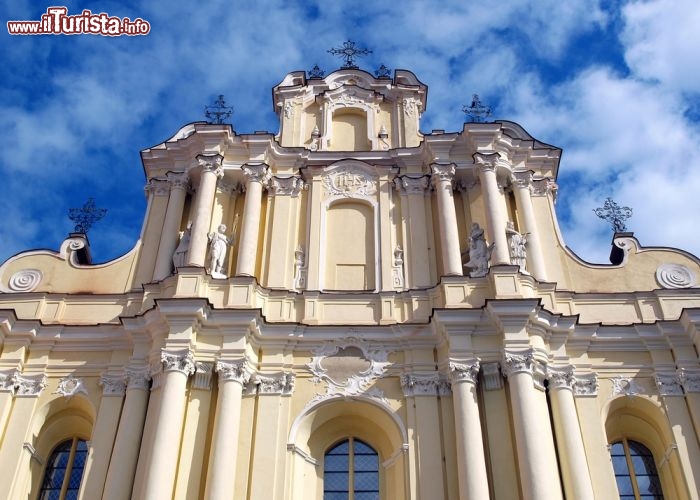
(64, 471)
(351, 471)
(635, 471)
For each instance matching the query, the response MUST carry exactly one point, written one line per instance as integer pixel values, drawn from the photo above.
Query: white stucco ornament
(70, 386)
(675, 276)
(25, 280)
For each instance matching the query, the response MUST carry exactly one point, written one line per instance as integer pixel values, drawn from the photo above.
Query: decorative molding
(464, 372)
(543, 187)
(25, 280)
(29, 386)
(493, 379)
(113, 385)
(486, 161)
(211, 163)
(257, 173)
(423, 384)
(673, 276)
(182, 362)
(202, 376)
(522, 179)
(372, 393)
(668, 384)
(295, 449)
(561, 377)
(412, 185)
(281, 384)
(349, 182)
(395, 456)
(233, 371)
(518, 363)
(690, 381)
(287, 186)
(70, 386)
(412, 106)
(138, 378)
(586, 385)
(178, 180)
(624, 386)
(442, 172)
(33, 453)
(7, 382)
(159, 187)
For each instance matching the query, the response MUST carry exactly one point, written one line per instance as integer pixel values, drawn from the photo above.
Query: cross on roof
(477, 111)
(85, 216)
(614, 214)
(349, 52)
(218, 112)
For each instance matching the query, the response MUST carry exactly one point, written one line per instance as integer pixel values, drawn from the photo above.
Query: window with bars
(351, 471)
(64, 471)
(635, 471)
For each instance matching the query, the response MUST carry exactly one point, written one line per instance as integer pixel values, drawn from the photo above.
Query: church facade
(354, 309)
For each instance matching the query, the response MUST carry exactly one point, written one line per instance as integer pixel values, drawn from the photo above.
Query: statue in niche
(517, 242)
(479, 252)
(180, 255)
(299, 268)
(397, 271)
(218, 249)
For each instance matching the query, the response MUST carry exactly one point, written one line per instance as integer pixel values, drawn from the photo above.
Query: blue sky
(616, 85)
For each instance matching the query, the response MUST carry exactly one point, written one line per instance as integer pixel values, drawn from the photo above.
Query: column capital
(464, 372)
(7, 381)
(178, 180)
(522, 362)
(113, 384)
(411, 185)
(493, 380)
(668, 384)
(561, 377)
(202, 376)
(522, 179)
(442, 172)
(420, 384)
(182, 362)
(233, 371)
(274, 384)
(543, 187)
(586, 385)
(159, 187)
(211, 163)
(689, 380)
(137, 377)
(256, 173)
(29, 386)
(287, 186)
(486, 162)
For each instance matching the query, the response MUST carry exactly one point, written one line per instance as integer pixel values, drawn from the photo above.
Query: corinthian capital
(522, 179)
(182, 362)
(178, 180)
(486, 161)
(411, 185)
(287, 186)
(138, 377)
(256, 173)
(211, 163)
(464, 372)
(280, 384)
(561, 377)
(442, 172)
(523, 362)
(233, 371)
(29, 386)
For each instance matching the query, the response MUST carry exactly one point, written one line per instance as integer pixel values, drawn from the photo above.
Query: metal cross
(382, 72)
(316, 72)
(218, 112)
(477, 111)
(86, 216)
(348, 52)
(614, 214)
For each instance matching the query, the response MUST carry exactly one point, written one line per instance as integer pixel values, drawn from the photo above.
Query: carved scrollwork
(675, 276)
(233, 371)
(464, 372)
(182, 362)
(138, 378)
(282, 384)
(25, 280)
(561, 377)
(211, 163)
(669, 384)
(113, 385)
(29, 386)
(349, 182)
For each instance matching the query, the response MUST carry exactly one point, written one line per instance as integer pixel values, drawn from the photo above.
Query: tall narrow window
(64, 471)
(635, 471)
(351, 472)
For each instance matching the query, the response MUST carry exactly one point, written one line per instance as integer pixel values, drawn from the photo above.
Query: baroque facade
(350, 309)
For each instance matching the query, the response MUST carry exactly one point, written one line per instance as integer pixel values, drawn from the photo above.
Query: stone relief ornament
(211, 163)
(675, 276)
(70, 386)
(112, 385)
(235, 371)
(493, 380)
(424, 384)
(690, 381)
(282, 384)
(479, 252)
(315, 139)
(586, 385)
(25, 280)
(287, 186)
(29, 386)
(411, 106)
(202, 376)
(561, 377)
(669, 384)
(519, 363)
(138, 378)
(464, 372)
(350, 183)
(411, 185)
(624, 386)
(182, 362)
(7, 382)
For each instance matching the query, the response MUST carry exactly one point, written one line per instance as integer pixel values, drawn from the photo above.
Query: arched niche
(349, 119)
(320, 426)
(349, 130)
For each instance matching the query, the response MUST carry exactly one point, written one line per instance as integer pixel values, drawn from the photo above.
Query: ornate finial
(218, 112)
(477, 111)
(86, 216)
(316, 72)
(348, 52)
(382, 72)
(614, 214)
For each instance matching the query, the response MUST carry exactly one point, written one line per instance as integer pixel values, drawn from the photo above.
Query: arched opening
(351, 471)
(64, 470)
(350, 259)
(635, 471)
(349, 131)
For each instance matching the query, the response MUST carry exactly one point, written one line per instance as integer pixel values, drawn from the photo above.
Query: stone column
(120, 475)
(449, 237)
(572, 455)
(537, 460)
(495, 222)
(471, 463)
(171, 225)
(233, 375)
(412, 192)
(160, 480)
(691, 385)
(523, 203)
(113, 388)
(210, 172)
(258, 176)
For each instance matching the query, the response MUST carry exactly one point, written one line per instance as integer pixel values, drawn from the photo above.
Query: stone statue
(180, 255)
(219, 243)
(479, 252)
(517, 242)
